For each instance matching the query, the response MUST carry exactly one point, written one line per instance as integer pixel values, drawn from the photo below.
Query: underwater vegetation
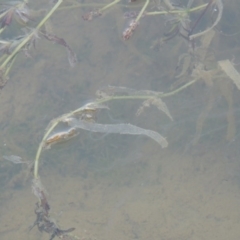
(182, 21)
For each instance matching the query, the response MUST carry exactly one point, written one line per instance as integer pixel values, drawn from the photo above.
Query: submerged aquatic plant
(180, 20)
(85, 118)
(14, 9)
(193, 65)
(9, 49)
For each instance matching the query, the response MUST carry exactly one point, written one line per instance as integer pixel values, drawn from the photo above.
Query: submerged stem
(142, 11)
(109, 5)
(27, 38)
(220, 11)
(177, 11)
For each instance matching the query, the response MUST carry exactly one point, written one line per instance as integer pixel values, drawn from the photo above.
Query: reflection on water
(114, 186)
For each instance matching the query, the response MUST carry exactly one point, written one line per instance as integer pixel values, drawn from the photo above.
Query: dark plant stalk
(200, 17)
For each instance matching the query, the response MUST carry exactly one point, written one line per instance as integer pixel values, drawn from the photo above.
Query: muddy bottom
(161, 195)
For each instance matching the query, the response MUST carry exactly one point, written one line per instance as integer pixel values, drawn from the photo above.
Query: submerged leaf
(151, 96)
(158, 102)
(72, 58)
(14, 159)
(114, 90)
(231, 71)
(118, 128)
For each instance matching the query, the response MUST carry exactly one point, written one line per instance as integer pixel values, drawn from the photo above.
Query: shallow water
(117, 186)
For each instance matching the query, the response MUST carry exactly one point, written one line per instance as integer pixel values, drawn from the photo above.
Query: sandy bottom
(166, 196)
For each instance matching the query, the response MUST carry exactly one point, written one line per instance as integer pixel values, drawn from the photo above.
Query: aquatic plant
(9, 49)
(193, 66)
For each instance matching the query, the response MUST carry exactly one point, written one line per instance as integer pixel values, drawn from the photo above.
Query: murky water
(117, 186)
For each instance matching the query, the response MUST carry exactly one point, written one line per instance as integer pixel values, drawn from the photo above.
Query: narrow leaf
(231, 71)
(118, 128)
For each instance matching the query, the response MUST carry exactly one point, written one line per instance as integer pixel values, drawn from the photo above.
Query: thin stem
(78, 5)
(109, 5)
(142, 10)
(2, 29)
(180, 89)
(200, 17)
(220, 11)
(176, 11)
(36, 162)
(9, 66)
(26, 39)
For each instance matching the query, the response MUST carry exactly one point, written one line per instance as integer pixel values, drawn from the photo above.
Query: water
(114, 186)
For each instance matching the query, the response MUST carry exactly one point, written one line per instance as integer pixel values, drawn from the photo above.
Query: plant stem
(142, 10)
(27, 38)
(200, 17)
(177, 11)
(109, 5)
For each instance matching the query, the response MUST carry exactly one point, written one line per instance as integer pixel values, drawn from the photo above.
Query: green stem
(26, 39)
(142, 10)
(99, 5)
(179, 89)
(109, 5)
(36, 163)
(176, 11)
